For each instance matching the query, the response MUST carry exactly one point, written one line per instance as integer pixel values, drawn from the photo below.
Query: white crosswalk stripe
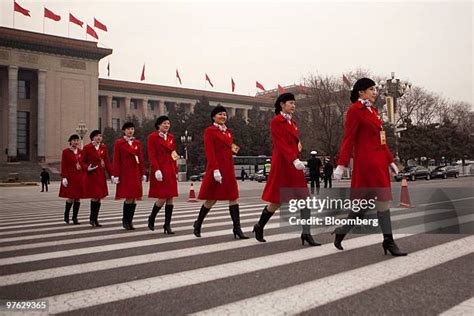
(53, 242)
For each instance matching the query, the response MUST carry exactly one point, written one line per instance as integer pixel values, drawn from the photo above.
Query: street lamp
(393, 89)
(186, 140)
(81, 130)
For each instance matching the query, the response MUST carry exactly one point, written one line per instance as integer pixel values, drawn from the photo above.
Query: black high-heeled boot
(198, 223)
(131, 214)
(235, 215)
(125, 215)
(92, 213)
(388, 243)
(306, 234)
(152, 217)
(66, 212)
(258, 228)
(168, 214)
(75, 212)
(96, 218)
(342, 231)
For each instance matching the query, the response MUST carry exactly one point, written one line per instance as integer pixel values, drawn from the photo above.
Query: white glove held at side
(65, 183)
(217, 176)
(298, 164)
(339, 172)
(158, 175)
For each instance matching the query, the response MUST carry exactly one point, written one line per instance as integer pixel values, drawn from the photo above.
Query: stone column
(41, 114)
(127, 107)
(144, 108)
(246, 114)
(231, 112)
(12, 112)
(108, 111)
(161, 107)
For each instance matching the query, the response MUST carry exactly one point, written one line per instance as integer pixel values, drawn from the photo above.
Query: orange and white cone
(404, 195)
(192, 195)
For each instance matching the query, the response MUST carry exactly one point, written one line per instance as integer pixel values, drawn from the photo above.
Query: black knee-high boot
(66, 212)
(198, 223)
(388, 244)
(306, 233)
(96, 214)
(152, 217)
(258, 228)
(235, 215)
(342, 231)
(75, 212)
(125, 216)
(131, 214)
(168, 214)
(92, 214)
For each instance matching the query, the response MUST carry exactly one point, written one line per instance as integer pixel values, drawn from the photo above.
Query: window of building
(100, 123)
(133, 105)
(24, 89)
(100, 103)
(116, 124)
(115, 103)
(151, 106)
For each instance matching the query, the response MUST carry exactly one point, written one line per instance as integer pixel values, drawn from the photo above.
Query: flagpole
(13, 13)
(43, 18)
(68, 24)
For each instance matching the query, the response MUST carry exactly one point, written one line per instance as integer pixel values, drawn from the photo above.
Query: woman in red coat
(162, 155)
(219, 183)
(72, 178)
(95, 161)
(129, 172)
(372, 161)
(287, 171)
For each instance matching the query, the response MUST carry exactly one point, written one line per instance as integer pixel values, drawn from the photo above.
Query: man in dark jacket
(328, 170)
(314, 165)
(44, 180)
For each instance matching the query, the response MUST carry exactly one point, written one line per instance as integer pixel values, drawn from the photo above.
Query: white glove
(144, 178)
(394, 168)
(298, 164)
(217, 176)
(90, 168)
(65, 182)
(158, 175)
(339, 172)
(114, 180)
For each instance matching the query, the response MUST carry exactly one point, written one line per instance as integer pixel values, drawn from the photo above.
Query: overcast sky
(275, 42)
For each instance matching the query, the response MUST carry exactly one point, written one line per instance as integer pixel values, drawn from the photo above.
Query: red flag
(346, 81)
(91, 32)
(232, 84)
(179, 78)
(108, 69)
(209, 80)
(281, 89)
(260, 86)
(18, 8)
(143, 73)
(99, 25)
(74, 20)
(51, 15)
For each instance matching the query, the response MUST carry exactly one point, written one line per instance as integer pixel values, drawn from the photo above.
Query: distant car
(260, 177)
(414, 172)
(445, 172)
(197, 177)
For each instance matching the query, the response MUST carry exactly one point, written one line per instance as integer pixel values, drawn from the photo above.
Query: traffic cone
(192, 195)
(404, 195)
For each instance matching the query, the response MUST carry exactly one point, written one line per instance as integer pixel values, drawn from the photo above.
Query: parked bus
(251, 164)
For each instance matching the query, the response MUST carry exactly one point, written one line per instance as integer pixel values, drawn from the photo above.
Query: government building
(50, 84)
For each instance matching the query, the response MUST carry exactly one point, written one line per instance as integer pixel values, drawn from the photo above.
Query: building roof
(52, 44)
(160, 90)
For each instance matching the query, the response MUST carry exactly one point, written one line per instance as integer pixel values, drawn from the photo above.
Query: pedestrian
(44, 177)
(372, 161)
(72, 175)
(243, 174)
(129, 172)
(287, 170)
(219, 183)
(162, 155)
(314, 166)
(95, 162)
(328, 170)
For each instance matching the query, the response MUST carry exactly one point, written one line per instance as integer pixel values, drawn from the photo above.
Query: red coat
(218, 148)
(284, 178)
(159, 155)
(128, 169)
(75, 178)
(371, 159)
(95, 182)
